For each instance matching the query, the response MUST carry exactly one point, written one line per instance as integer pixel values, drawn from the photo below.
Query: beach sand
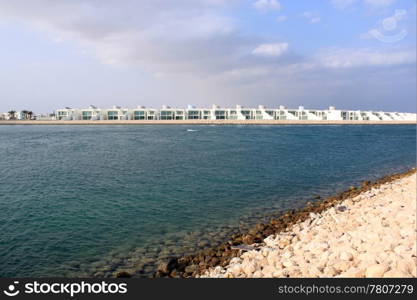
(372, 234)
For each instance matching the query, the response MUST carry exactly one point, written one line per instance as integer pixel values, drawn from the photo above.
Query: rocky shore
(372, 234)
(366, 231)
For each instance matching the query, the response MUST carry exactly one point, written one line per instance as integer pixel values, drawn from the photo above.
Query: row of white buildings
(214, 113)
(237, 113)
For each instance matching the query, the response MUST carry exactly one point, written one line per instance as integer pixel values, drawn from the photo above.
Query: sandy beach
(372, 234)
(204, 122)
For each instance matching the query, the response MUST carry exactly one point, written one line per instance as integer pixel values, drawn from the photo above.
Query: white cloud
(311, 16)
(267, 5)
(282, 18)
(379, 3)
(154, 35)
(367, 35)
(194, 50)
(270, 50)
(342, 4)
(351, 58)
(315, 20)
(268, 71)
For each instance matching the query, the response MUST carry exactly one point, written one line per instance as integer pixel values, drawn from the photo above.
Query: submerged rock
(123, 274)
(167, 267)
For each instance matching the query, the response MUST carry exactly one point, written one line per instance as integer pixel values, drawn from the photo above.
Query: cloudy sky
(354, 54)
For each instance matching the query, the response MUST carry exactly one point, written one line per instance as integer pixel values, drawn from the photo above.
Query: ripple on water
(94, 199)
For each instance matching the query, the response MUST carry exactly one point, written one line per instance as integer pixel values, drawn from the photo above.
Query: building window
(62, 115)
(193, 114)
(113, 115)
(139, 115)
(220, 114)
(167, 115)
(246, 114)
(87, 115)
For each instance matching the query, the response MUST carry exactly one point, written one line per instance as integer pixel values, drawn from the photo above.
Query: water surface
(85, 200)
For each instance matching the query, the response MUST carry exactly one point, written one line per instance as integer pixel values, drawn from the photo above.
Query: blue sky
(354, 54)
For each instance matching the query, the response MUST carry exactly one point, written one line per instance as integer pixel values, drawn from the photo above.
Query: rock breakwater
(298, 242)
(367, 234)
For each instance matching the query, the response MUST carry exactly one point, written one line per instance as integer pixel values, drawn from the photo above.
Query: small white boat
(191, 130)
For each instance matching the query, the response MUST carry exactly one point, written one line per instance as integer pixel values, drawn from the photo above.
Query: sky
(352, 54)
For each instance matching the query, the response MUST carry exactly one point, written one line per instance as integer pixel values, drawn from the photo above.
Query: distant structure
(18, 115)
(237, 113)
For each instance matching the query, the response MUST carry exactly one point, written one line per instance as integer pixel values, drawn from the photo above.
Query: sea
(89, 201)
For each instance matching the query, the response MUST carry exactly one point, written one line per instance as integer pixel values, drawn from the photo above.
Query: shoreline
(205, 122)
(218, 258)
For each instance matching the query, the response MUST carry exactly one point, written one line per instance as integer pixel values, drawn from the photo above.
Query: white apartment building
(237, 113)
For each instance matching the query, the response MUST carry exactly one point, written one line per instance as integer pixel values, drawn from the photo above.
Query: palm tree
(30, 114)
(25, 114)
(12, 114)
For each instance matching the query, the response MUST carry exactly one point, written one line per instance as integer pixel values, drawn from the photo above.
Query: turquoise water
(88, 200)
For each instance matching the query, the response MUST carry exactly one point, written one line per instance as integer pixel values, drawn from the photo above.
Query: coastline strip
(370, 235)
(206, 122)
(213, 262)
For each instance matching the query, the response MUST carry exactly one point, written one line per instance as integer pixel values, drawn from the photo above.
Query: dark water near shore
(87, 200)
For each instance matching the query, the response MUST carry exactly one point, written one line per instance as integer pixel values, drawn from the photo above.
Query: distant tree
(12, 114)
(30, 114)
(25, 114)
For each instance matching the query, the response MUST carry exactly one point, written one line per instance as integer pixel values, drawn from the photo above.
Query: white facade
(18, 115)
(237, 113)
(67, 114)
(91, 113)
